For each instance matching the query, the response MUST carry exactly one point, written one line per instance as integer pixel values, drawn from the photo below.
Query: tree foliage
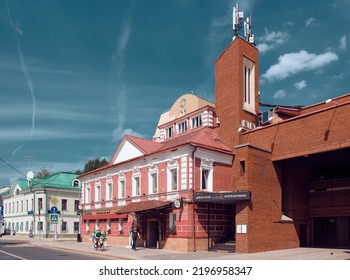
(42, 173)
(92, 164)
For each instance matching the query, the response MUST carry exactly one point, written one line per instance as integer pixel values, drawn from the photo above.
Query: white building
(47, 207)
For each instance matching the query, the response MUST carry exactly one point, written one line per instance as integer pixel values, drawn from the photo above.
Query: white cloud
(300, 85)
(309, 21)
(118, 134)
(271, 40)
(343, 43)
(279, 94)
(292, 63)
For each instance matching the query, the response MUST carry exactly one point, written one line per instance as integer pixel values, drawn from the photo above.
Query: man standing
(134, 235)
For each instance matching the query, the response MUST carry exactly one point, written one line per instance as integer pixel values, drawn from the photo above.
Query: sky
(76, 76)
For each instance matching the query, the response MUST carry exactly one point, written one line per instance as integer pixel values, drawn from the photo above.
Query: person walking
(134, 235)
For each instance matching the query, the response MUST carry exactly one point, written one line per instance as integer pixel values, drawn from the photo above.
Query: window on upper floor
(169, 132)
(64, 204)
(121, 188)
(206, 175)
(40, 203)
(88, 195)
(98, 193)
(248, 85)
(76, 205)
(136, 186)
(153, 182)
(109, 189)
(173, 179)
(182, 127)
(196, 121)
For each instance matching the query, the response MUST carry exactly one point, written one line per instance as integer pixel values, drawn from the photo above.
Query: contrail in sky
(26, 75)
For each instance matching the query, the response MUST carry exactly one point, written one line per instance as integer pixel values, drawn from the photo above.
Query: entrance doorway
(152, 233)
(332, 232)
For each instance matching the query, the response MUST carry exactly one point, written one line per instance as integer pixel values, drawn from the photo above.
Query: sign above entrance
(218, 197)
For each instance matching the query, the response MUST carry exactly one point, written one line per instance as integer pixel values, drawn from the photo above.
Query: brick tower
(236, 90)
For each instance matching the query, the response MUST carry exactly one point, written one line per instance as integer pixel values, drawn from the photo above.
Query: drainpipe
(31, 189)
(45, 209)
(193, 186)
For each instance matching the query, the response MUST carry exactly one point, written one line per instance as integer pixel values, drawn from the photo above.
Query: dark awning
(142, 206)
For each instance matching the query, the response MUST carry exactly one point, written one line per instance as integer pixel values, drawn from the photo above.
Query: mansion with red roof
(226, 172)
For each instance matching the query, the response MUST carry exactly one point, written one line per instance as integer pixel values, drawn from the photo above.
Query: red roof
(206, 137)
(147, 146)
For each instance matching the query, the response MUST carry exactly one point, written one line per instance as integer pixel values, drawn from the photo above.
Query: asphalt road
(22, 250)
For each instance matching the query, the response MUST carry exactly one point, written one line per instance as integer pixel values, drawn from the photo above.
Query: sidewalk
(123, 252)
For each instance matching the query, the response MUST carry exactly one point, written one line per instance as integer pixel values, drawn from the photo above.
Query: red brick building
(225, 171)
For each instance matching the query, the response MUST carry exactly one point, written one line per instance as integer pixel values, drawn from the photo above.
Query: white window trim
(121, 187)
(97, 191)
(136, 174)
(109, 190)
(249, 105)
(153, 170)
(207, 164)
(172, 165)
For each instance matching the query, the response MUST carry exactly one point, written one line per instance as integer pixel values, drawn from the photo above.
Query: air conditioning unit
(252, 125)
(266, 117)
(245, 124)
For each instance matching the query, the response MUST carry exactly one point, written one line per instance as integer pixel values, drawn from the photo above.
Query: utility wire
(14, 168)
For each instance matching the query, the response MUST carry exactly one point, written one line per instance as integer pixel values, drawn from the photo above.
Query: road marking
(17, 245)
(15, 256)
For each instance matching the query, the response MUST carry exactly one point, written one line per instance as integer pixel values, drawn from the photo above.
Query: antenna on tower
(248, 34)
(237, 19)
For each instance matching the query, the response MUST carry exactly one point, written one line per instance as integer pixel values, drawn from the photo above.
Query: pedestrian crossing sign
(53, 218)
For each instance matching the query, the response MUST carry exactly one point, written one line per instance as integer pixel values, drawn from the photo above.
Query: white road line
(15, 256)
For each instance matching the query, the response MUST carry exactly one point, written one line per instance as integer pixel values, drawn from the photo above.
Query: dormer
(187, 113)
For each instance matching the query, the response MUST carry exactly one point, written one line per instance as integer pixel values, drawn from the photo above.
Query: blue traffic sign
(54, 209)
(53, 218)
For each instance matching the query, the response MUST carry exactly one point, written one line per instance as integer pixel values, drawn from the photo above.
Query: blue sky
(75, 76)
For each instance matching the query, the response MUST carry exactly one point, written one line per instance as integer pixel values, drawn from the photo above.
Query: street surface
(23, 250)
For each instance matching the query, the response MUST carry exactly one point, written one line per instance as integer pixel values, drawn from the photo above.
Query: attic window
(76, 183)
(182, 127)
(169, 132)
(196, 121)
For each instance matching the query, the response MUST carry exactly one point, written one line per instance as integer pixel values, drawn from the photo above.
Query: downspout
(45, 211)
(193, 186)
(33, 209)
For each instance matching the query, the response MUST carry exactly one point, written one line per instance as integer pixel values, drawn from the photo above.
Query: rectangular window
(98, 193)
(248, 85)
(40, 203)
(64, 226)
(87, 195)
(154, 183)
(173, 173)
(196, 121)
(64, 204)
(109, 191)
(205, 177)
(136, 186)
(76, 226)
(76, 205)
(242, 165)
(40, 225)
(182, 127)
(172, 221)
(121, 225)
(169, 132)
(122, 188)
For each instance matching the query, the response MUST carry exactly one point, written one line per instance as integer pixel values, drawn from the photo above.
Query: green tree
(42, 173)
(92, 164)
